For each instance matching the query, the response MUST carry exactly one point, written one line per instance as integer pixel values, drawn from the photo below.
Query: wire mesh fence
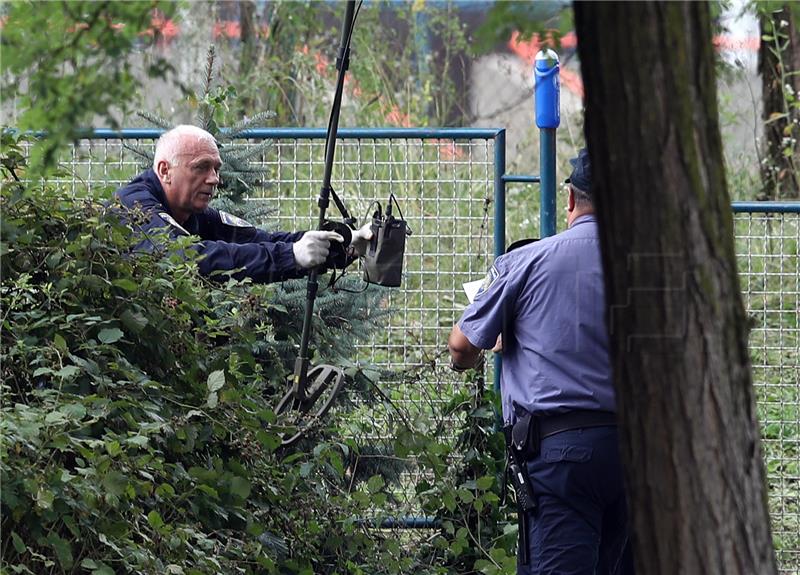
(445, 182)
(445, 189)
(769, 267)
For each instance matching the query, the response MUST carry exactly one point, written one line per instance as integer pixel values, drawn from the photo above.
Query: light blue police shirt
(555, 345)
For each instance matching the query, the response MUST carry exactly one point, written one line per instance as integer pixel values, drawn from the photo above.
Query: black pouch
(383, 262)
(525, 439)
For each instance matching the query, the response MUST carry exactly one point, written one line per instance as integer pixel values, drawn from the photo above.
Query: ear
(571, 200)
(162, 171)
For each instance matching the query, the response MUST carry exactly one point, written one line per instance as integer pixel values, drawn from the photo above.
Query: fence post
(548, 117)
(499, 224)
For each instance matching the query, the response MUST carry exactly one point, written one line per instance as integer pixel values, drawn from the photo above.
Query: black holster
(522, 444)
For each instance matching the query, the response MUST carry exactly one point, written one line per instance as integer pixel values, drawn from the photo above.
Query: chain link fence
(447, 184)
(767, 240)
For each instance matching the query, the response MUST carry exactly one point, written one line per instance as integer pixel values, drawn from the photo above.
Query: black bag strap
(348, 219)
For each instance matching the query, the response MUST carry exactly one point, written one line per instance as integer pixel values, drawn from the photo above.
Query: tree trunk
(249, 38)
(689, 435)
(779, 67)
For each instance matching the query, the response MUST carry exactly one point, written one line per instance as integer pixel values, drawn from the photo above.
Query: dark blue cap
(581, 176)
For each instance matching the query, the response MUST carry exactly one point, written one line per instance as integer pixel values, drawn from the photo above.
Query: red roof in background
(527, 50)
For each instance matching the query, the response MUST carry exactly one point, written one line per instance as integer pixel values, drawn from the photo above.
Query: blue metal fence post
(499, 221)
(548, 117)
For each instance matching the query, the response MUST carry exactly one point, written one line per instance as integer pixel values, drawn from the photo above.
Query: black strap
(348, 219)
(550, 425)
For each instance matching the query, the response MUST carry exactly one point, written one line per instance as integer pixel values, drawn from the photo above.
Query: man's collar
(158, 189)
(584, 218)
(161, 196)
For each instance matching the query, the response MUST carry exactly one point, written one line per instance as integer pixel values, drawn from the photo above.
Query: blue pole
(499, 221)
(315, 133)
(547, 173)
(548, 117)
(766, 207)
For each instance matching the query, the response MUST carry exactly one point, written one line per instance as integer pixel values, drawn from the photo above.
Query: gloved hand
(312, 249)
(361, 238)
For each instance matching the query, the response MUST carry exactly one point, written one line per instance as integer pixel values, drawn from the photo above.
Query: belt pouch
(525, 440)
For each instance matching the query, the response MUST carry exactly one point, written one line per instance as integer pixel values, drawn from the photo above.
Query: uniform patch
(171, 221)
(487, 281)
(231, 220)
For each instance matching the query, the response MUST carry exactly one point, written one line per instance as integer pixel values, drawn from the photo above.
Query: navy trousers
(580, 525)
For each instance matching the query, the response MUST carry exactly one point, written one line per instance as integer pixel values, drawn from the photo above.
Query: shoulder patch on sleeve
(490, 278)
(171, 221)
(231, 220)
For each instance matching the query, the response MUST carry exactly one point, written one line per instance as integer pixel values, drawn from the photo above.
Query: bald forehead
(200, 154)
(184, 141)
(191, 145)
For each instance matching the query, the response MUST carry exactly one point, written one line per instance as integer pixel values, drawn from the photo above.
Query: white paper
(471, 289)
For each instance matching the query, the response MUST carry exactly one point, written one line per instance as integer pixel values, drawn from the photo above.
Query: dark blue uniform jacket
(226, 242)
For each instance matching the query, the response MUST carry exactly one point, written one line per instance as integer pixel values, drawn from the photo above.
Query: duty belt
(552, 424)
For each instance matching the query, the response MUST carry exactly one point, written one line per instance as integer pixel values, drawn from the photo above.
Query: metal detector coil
(383, 265)
(383, 262)
(322, 381)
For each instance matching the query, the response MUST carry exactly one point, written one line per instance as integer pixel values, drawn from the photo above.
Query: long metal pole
(342, 61)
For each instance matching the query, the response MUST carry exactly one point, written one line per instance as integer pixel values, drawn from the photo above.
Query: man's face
(190, 182)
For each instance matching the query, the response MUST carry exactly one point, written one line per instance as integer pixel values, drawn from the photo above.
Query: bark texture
(248, 59)
(690, 439)
(248, 36)
(779, 67)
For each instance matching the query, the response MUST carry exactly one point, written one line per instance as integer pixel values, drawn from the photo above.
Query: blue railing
(766, 207)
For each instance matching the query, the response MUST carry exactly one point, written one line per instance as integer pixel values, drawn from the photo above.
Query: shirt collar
(158, 189)
(585, 218)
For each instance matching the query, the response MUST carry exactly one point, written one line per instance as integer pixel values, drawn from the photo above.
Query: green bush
(138, 434)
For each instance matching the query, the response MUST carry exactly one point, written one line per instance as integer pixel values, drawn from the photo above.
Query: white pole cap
(547, 54)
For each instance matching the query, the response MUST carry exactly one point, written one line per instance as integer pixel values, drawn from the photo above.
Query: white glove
(312, 249)
(361, 238)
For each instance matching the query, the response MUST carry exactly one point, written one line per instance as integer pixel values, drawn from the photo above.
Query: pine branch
(246, 152)
(248, 123)
(204, 111)
(158, 121)
(144, 156)
(209, 76)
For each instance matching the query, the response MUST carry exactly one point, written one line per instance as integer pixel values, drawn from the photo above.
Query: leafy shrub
(137, 427)
(478, 531)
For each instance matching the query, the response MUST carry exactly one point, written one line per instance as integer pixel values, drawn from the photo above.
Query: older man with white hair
(175, 194)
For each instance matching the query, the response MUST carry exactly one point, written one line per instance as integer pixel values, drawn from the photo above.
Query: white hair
(170, 144)
(582, 197)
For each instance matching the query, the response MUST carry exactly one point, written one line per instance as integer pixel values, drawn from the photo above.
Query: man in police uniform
(547, 300)
(175, 195)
